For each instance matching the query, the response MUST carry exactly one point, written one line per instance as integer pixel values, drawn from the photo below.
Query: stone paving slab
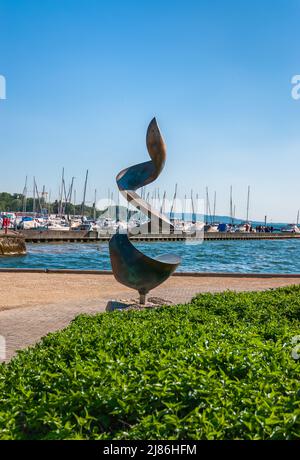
(34, 304)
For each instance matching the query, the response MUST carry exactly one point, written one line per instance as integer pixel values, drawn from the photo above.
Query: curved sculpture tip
(156, 145)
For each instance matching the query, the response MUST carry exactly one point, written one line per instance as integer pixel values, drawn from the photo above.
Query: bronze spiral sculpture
(130, 266)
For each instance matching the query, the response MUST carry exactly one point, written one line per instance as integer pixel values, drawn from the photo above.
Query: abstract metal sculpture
(130, 266)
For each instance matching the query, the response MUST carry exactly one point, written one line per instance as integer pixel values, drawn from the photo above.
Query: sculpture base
(133, 304)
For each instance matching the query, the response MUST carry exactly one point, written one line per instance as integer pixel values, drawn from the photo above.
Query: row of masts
(232, 206)
(67, 195)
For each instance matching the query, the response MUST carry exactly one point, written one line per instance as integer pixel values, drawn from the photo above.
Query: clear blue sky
(84, 78)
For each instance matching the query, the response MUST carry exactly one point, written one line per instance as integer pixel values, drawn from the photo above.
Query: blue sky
(84, 78)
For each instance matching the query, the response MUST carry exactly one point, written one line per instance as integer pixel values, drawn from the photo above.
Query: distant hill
(111, 212)
(228, 220)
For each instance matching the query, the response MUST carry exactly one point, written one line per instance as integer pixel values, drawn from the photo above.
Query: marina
(150, 217)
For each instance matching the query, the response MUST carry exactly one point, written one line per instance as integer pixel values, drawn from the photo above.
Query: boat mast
(173, 203)
(25, 195)
(61, 193)
(38, 196)
(298, 217)
(206, 201)
(215, 200)
(231, 208)
(65, 197)
(70, 192)
(194, 218)
(74, 204)
(33, 204)
(44, 195)
(69, 197)
(162, 208)
(248, 201)
(84, 193)
(208, 208)
(49, 205)
(94, 206)
(183, 209)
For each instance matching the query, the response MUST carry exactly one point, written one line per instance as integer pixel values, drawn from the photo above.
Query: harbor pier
(82, 236)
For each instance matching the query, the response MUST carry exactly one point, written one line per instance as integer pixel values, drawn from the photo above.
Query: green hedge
(218, 368)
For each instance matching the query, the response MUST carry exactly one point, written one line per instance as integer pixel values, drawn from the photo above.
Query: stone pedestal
(133, 304)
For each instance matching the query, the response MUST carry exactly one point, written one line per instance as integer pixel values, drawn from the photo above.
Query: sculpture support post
(142, 298)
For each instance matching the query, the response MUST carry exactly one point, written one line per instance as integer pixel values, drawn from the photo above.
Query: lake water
(209, 256)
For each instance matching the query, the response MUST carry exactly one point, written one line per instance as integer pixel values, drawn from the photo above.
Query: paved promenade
(34, 304)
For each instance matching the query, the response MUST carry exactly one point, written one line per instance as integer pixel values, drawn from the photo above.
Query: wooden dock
(42, 236)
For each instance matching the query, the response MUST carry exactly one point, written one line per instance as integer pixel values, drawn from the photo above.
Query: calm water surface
(217, 256)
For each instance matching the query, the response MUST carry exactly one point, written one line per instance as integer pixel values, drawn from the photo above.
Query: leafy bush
(218, 368)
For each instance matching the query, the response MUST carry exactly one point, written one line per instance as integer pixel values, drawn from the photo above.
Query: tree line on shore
(16, 202)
